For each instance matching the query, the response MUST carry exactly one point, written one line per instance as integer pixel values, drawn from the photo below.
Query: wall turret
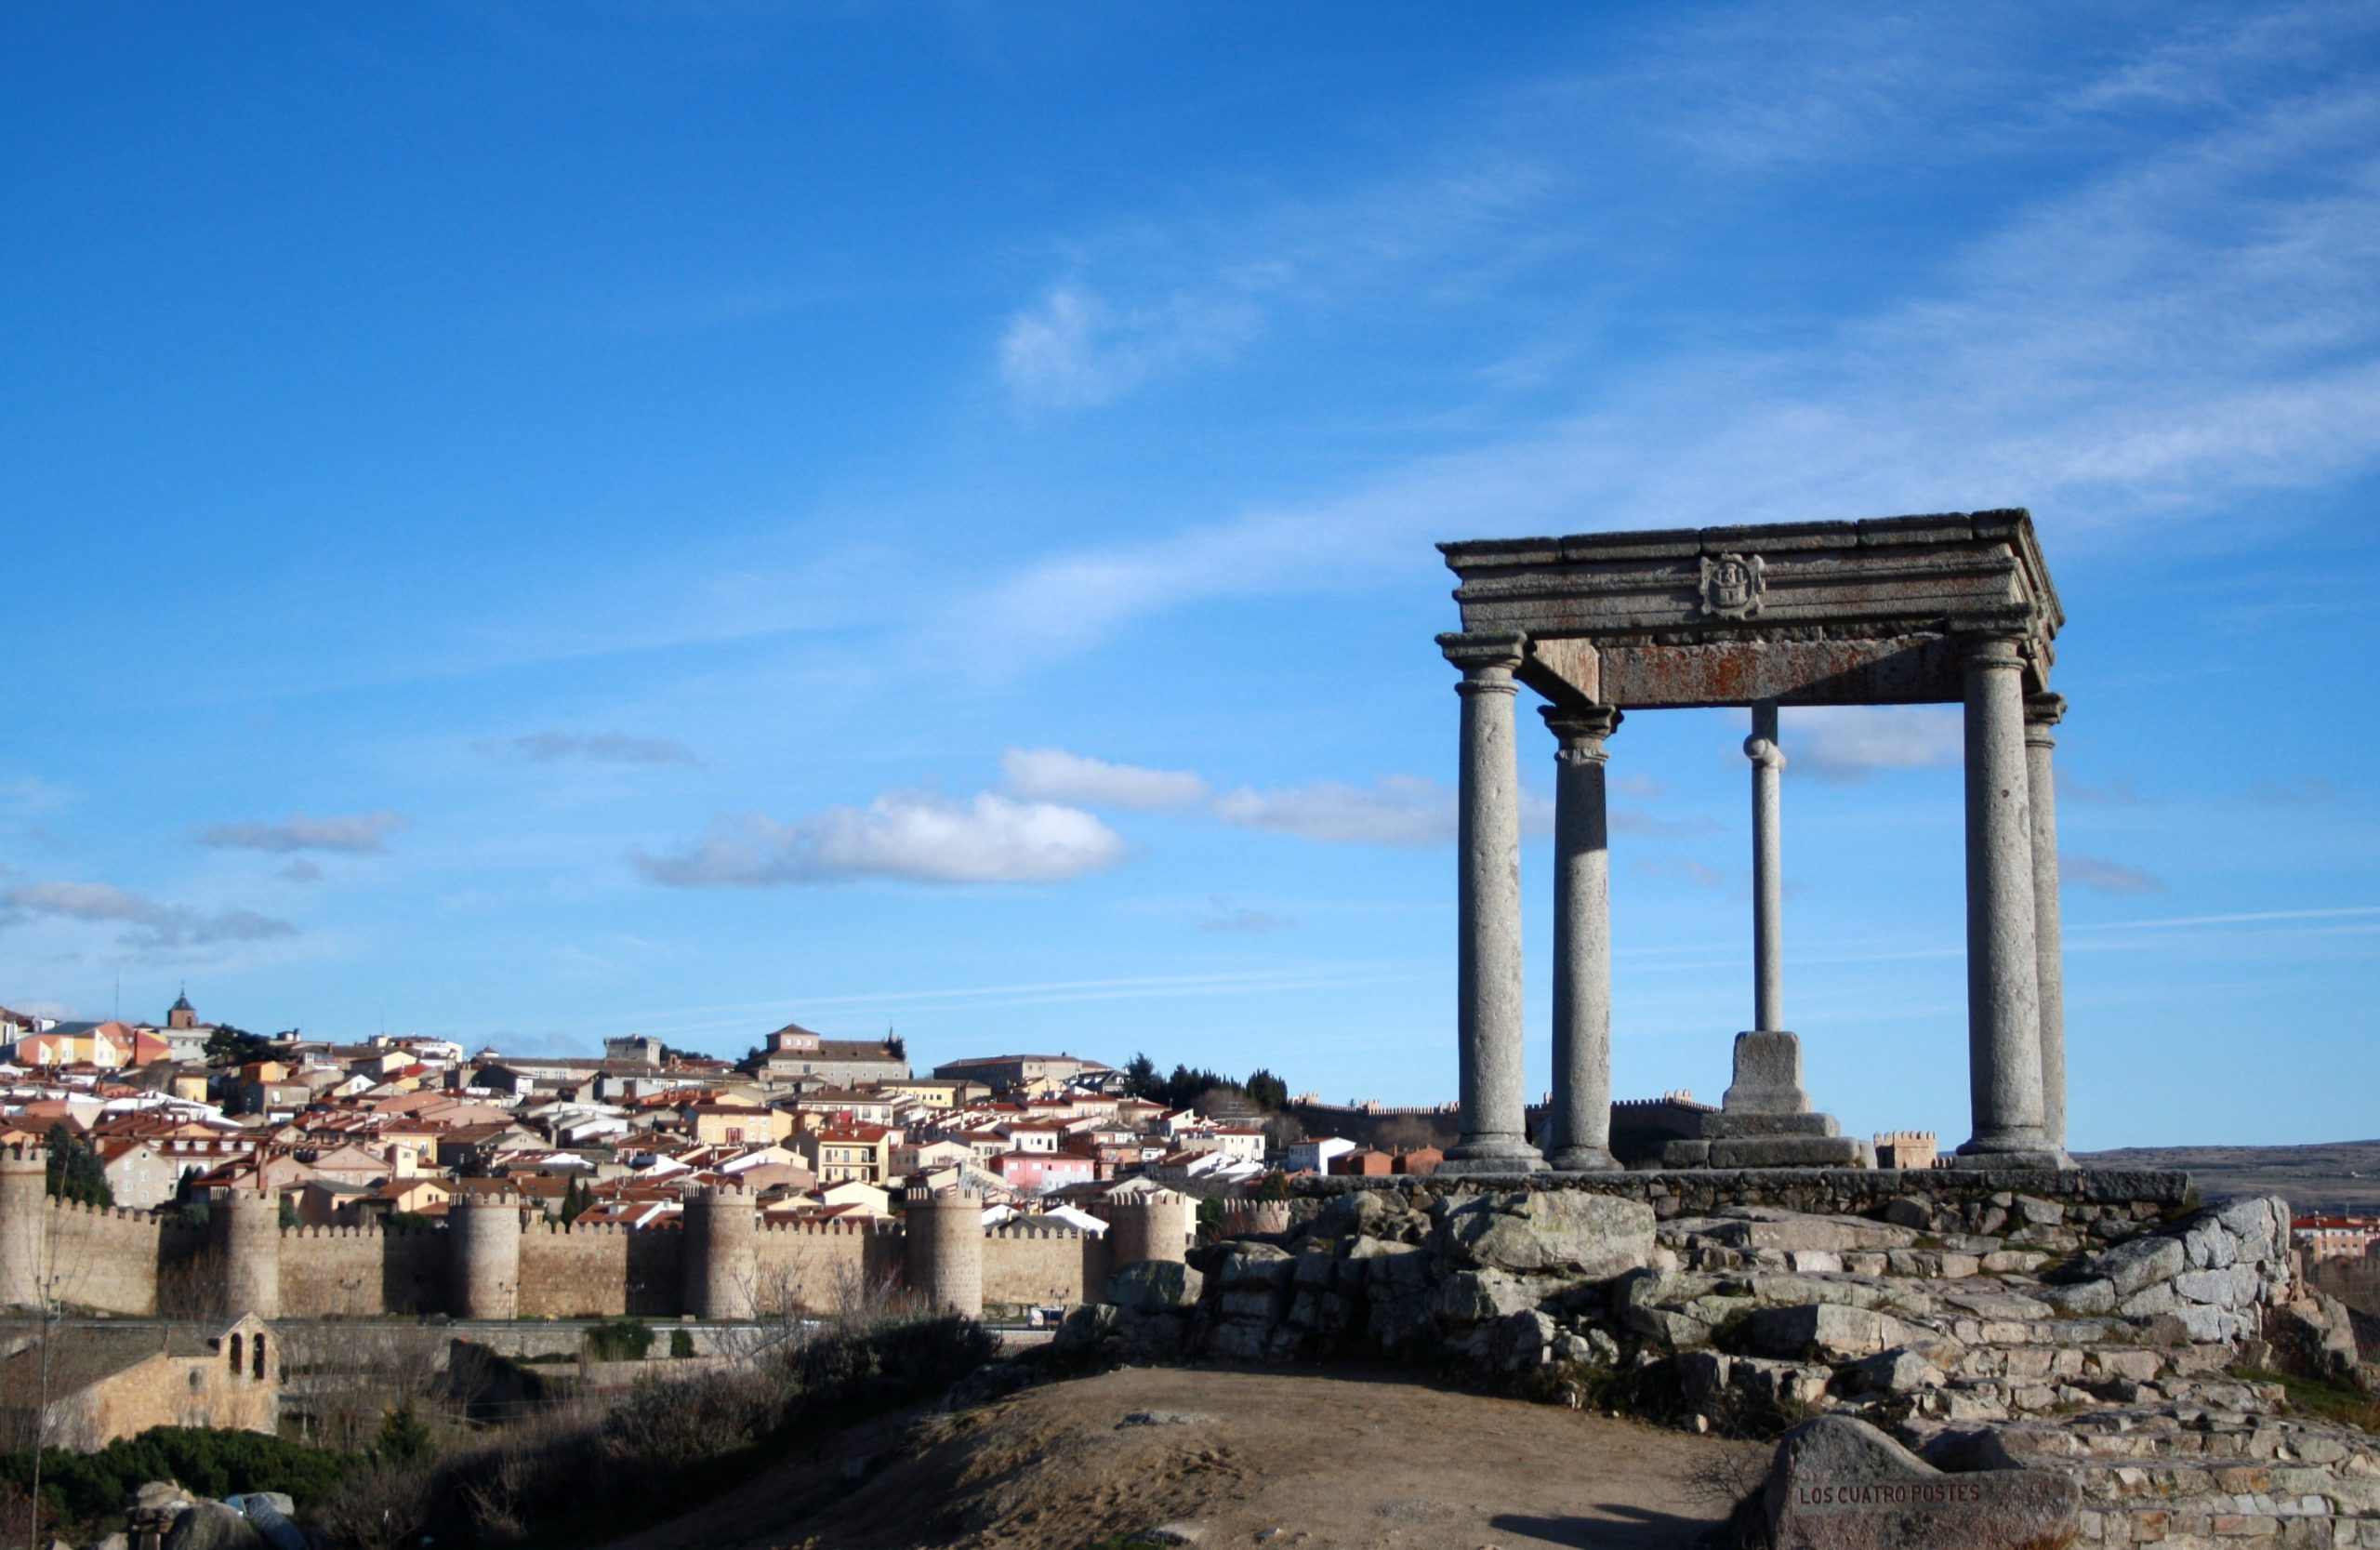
(483, 1264)
(25, 1207)
(721, 1253)
(942, 1250)
(245, 1228)
(1155, 1226)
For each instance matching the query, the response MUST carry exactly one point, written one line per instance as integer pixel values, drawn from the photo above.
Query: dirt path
(1327, 1459)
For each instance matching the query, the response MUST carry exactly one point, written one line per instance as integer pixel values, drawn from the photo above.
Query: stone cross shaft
(1768, 871)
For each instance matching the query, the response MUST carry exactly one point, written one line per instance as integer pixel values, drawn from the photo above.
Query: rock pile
(1971, 1326)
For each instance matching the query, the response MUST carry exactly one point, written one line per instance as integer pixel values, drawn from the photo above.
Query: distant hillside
(2333, 1177)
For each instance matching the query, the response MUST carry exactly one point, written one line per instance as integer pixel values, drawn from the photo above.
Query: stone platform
(1836, 1191)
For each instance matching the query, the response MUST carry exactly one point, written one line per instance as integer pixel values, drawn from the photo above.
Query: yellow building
(104, 1384)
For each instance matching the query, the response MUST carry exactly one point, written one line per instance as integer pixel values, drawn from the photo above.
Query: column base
(1493, 1154)
(1582, 1159)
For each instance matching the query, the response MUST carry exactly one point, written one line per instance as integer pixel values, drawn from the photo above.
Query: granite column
(2043, 711)
(1578, 1125)
(2003, 963)
(1488, 1010)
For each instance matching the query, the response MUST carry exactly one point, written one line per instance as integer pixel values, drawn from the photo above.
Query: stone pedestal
(1765, 1120)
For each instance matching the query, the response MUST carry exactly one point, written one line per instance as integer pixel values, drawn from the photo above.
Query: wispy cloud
(917, 836)
(1222, 915)
(2113, 793)
(302, 871)
(1054, 774)
(2190, 318)
(1844, 744)
(151, 926)
(1073, 347)
(356, 834)
(2103, 876)
(2305, 791)
(1394, 810)
(593, 747)
(1680, 867)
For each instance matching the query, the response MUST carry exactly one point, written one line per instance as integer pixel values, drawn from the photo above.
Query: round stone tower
(244, 1226)
(942, 1250)
(484, 1256)
(24, 1216)
(723, 1253)
(1156, 1225)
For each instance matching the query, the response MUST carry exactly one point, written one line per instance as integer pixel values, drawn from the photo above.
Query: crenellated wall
(495, 1260)
(1037, 1266)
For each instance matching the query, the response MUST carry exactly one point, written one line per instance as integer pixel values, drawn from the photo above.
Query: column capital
(1484, 655)
(1761, 751)
(2042, 711)
(1581, 728)
(1984, 651)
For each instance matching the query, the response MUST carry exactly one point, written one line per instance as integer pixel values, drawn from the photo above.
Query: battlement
(1011, 1229)
(830, 1228)
(18, 1156)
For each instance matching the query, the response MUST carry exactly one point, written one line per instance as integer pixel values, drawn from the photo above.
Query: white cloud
(914, 835)
(1843, 744)
(153, 927)
(1054, 774)
(1395, 810)
(358, 833)
(2106, 877)
(1074, 349)
(595, 748)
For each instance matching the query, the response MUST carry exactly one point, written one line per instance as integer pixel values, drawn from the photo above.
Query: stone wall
(101, 1258)
(1827, 1191)
(569, 1271)
(1040, 1267)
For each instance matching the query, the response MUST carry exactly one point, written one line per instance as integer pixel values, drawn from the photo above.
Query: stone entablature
(1840, 613)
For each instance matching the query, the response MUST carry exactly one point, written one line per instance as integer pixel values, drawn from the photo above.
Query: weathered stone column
(2003, 964)
(1578, 1127)
(1487, 995)
(2042, 712)
(1768, 871)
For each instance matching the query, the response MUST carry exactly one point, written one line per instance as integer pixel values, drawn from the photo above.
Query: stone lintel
(1876, 598)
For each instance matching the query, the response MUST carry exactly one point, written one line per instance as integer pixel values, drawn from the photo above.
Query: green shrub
(619, 1340)
(681, 1343)
(92, 1487)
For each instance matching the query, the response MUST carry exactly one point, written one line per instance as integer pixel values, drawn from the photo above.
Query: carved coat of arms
(1732, 584)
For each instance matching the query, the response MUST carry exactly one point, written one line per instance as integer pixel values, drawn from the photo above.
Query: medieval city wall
(820, 1267)
(362, 1271)
(100, 1257)
(568, 1271)
(1037, 1266)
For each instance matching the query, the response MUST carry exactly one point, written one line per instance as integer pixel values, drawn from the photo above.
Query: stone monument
(1956, 608)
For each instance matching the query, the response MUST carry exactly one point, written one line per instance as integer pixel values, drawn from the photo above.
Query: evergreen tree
(74, 1172)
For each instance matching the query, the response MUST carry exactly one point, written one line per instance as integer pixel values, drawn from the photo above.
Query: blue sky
(531, 522)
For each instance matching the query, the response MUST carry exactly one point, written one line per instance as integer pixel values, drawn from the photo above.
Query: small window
(259, 1361)
(235, 1355)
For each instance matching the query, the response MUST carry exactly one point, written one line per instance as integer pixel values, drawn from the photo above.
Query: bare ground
(1325, 1458)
